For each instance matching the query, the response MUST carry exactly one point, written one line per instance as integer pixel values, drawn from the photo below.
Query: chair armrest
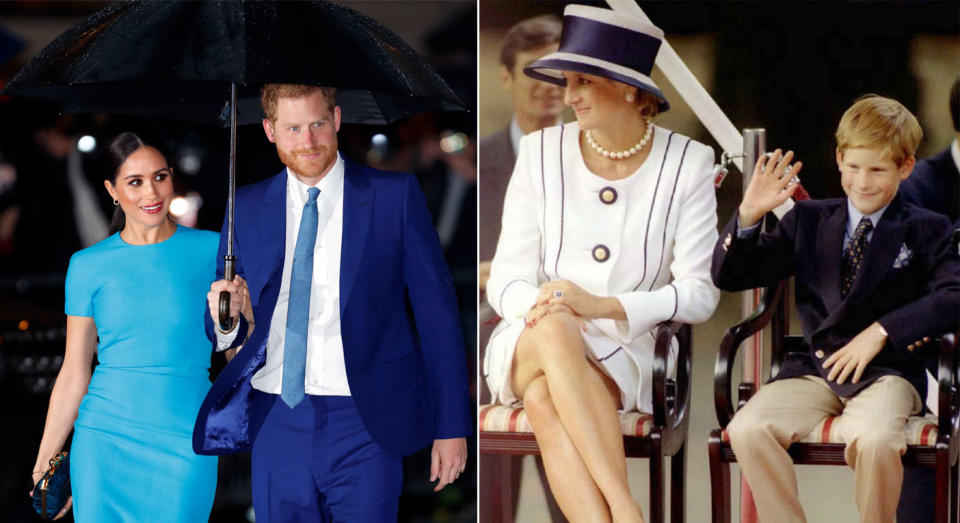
(727, 353)
(948, 401)
(671, 404)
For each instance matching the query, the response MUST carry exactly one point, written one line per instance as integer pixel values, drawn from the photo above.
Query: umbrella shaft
(232, 184)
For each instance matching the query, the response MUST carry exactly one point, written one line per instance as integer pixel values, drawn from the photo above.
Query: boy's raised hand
(769, 187)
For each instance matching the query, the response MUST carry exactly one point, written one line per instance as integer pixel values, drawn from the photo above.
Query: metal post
(754, 146)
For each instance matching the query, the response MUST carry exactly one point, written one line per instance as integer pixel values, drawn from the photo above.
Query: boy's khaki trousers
(871, 423)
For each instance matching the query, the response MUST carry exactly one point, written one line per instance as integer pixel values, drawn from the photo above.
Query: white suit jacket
(650, 247)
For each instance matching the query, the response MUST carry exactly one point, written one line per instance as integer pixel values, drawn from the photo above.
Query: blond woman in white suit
(608, 229)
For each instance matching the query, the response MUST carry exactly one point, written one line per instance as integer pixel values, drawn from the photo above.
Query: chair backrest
(772, 304)
(781, 341)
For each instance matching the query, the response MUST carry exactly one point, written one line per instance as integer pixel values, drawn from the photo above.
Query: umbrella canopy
(178, 59)
(204, 62)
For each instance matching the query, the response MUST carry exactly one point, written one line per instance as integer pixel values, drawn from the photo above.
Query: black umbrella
(178, 59)
(205, 62)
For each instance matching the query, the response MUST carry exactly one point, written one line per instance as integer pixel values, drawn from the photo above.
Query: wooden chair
(932, 442)
(505, 432)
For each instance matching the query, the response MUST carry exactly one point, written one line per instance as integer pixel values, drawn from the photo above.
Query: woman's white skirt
(630, 366)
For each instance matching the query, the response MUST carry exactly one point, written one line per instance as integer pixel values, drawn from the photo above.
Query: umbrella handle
(229, 270)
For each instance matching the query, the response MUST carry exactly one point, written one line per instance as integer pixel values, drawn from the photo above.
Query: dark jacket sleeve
(437, 318)
(758, 261)
(938, 311)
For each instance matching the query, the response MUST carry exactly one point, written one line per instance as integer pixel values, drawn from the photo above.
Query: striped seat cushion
(502, 418)
(920, 430)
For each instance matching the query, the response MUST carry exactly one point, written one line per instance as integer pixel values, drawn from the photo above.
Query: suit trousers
(316, 462)
(871, 423)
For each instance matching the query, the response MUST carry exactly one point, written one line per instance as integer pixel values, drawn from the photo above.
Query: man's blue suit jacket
(409, 383)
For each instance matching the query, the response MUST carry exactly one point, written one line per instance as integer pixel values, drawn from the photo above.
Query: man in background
(935, 181)
(536, 105)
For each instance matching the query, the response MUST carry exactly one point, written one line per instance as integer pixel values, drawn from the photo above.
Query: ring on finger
(558, 294)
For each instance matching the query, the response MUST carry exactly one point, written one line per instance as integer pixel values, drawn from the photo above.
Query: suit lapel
(829, 256)
(273, 233)
(357, 210)
(881, 253)
(883, 249)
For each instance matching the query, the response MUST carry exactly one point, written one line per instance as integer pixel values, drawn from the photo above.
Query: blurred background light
(87, 143)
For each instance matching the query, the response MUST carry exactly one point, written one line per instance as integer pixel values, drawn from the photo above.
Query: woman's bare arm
(69, 389)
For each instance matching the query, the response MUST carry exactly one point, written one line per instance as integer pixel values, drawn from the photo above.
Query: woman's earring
(629, 97)
(116, 202)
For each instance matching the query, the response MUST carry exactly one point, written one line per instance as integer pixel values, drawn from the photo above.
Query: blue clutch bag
(53, 490)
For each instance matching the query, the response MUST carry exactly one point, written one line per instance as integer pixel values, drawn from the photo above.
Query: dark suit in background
(934, 185)
(496, 165)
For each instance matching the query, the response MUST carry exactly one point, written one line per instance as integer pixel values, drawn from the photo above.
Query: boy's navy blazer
(909, 282)
(409, 383)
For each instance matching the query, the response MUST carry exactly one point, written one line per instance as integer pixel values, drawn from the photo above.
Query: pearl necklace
(621, 155)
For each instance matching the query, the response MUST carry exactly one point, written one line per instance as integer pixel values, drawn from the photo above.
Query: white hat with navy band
(604, 43)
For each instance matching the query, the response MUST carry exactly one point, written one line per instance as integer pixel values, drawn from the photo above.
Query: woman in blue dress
(136, 301)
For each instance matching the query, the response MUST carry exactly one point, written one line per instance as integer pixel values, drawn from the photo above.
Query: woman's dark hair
(118, 151)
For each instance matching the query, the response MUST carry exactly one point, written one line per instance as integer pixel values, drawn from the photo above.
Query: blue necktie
(853, 255)
(298, 305)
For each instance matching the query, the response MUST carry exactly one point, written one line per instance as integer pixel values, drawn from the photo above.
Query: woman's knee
(556, 333)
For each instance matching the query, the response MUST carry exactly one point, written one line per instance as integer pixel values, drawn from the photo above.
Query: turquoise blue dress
(132, 458)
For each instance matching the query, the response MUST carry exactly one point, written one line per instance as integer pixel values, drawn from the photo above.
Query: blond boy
(876, 282)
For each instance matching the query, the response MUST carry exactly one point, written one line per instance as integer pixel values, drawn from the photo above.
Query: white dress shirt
(326, 374)
(515, 134)
(853, 220)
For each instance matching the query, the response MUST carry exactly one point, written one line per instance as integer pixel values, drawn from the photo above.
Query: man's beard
(308, 168)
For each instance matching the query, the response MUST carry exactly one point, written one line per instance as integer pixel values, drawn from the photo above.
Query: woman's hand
(539, 311)
(34, 479)
(582, 303)
(37, 474)
(769, 187)
(563, 292)
(65, 509)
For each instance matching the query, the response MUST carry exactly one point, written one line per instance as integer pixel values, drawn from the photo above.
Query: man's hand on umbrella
(448, 460)
(239, 299)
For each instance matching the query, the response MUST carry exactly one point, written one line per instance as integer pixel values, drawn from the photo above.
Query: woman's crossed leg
(572, 407)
